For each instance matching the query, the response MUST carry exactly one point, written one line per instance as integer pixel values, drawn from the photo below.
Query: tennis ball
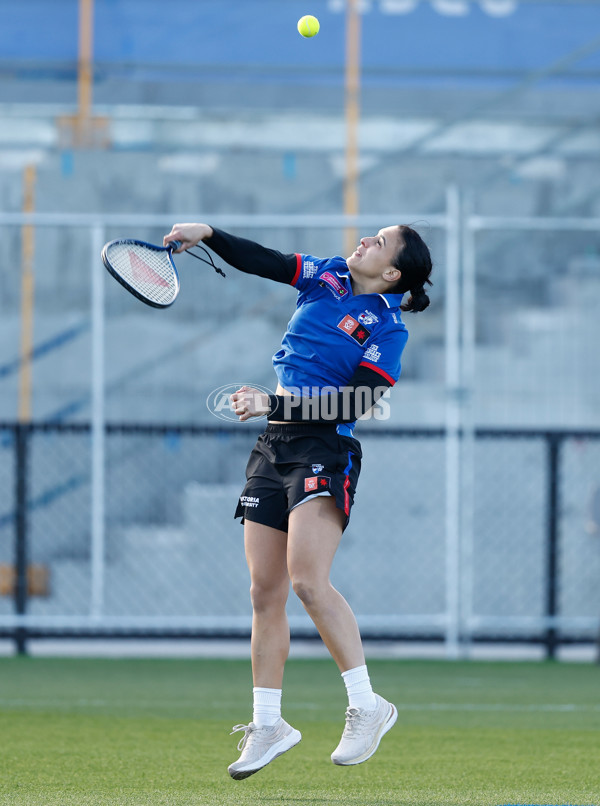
(308, 26)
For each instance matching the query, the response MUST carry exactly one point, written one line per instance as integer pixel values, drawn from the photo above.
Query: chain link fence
(172, 560)
(477, 514)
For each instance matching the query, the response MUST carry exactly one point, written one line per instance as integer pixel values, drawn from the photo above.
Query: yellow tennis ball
(308, 26)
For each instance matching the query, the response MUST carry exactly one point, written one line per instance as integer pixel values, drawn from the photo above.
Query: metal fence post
(468, 416)
(452, 425)
(22, 432)
(553, 442)
(97, 509)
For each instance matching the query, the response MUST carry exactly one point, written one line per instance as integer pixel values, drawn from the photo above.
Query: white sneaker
(363, 732)
(259, 746)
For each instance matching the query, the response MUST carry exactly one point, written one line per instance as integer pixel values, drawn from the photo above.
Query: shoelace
(351, 721)
(247, 731)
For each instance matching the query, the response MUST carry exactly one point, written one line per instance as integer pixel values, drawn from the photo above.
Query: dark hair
(413, 260)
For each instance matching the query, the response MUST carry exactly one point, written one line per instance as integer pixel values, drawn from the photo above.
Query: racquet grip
(173, 245)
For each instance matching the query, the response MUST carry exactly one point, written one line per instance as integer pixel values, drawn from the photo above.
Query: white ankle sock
(267, 706)
(358, 686)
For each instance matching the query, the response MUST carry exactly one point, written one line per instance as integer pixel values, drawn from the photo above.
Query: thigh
(266, 555)
(314, 533)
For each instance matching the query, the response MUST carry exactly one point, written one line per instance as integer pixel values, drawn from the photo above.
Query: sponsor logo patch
(317, 468)
(358, 332)
(313, 484)
(309, 269)
(372, 353)
(249, 501)
(333, 284)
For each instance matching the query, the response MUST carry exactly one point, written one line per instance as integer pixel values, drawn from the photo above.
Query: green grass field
(141, 732)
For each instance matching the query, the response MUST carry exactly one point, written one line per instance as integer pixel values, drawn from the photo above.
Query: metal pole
(553, 443)
(21, 450)
(84, 72)
(24, 412)
(352, 82)
(27, 296)
(468, 380)
(97, 426)
(452, 338)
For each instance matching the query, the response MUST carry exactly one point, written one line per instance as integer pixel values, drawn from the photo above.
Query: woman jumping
(339, 355)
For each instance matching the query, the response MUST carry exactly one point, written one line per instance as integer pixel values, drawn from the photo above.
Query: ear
(391, 275)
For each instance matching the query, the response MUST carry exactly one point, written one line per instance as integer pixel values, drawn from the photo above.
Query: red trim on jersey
(379, 370)
(298, 268)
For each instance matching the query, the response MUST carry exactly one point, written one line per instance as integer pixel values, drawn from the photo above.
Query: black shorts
(290, 464)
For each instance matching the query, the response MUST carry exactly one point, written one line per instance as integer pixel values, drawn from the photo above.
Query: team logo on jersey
(357, 331)
(315, 483)
(330, 281)
(367, 318)
(317, 468)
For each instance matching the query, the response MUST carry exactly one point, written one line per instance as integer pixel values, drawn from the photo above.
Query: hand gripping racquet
(148, 271)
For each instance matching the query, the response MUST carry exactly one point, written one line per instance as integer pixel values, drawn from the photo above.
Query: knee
(308, 591)
(266, 596)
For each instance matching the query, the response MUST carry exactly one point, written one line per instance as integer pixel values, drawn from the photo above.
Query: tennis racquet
(148, 271)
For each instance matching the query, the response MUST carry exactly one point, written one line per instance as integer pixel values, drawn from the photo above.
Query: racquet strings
(148, 271)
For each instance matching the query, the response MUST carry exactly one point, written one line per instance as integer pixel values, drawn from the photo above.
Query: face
(374, 255)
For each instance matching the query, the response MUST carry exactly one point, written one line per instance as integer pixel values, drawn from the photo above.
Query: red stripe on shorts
(346, 496)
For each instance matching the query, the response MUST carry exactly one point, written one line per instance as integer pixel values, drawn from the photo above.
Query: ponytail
(413, 260)
(417, 301)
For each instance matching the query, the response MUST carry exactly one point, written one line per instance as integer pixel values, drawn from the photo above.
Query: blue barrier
(263, 33)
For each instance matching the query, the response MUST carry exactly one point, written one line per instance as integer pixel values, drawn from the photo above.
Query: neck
(373, 287)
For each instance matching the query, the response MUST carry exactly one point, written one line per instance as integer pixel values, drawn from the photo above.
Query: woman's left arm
(241, 253)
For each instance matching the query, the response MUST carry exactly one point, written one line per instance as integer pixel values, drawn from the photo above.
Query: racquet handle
(174, 245)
